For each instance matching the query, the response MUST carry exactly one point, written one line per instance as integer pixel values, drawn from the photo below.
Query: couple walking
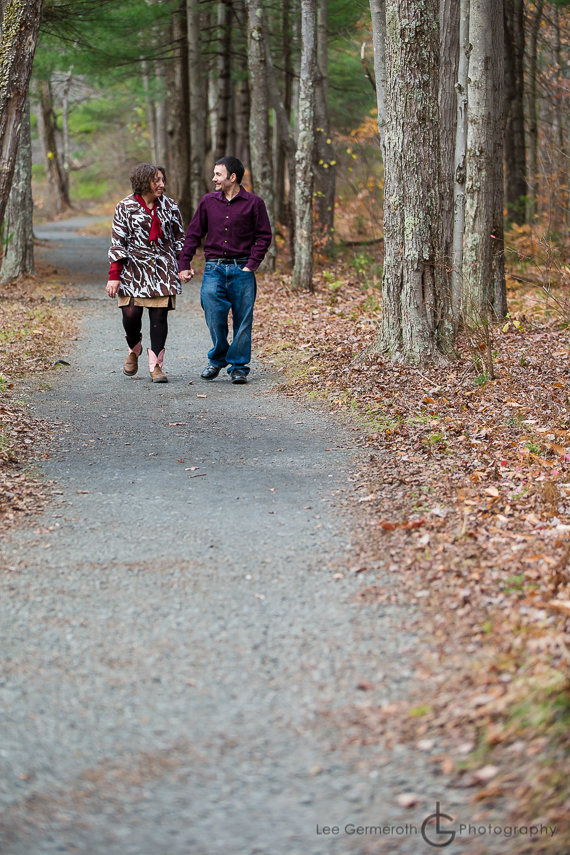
(150, 256)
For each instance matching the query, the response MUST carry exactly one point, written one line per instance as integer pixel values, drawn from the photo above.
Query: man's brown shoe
(155, 367)
(131, 365)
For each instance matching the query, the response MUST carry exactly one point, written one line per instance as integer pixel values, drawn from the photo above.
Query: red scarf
(155, 227)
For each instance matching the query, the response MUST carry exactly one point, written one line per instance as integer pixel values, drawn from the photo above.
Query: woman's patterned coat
(149, 269)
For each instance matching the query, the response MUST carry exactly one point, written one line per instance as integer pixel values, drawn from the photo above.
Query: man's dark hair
(232, 164)
(143, 174)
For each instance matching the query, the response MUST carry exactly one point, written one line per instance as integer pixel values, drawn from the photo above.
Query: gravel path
(170, 628)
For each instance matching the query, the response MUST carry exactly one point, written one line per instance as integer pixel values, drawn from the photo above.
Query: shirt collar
(220, 194)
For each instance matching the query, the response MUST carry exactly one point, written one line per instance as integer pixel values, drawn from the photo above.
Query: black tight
(132, 322)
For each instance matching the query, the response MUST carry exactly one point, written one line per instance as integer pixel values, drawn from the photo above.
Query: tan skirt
(149, 302)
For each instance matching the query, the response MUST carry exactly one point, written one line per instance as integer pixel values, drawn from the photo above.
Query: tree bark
(161, 112)
(325, 161)
(197, 105)
(20, 25)
(459, 163)
(225, 13)
(533, 181)
(515, 148)
(499, 292)
(378, 15)
(481, 190)
(416, 318)
(179, 119)
(54, 168)
(304, 176)
(448, 68)
(150, 112)
(261, 171)
(18, 257)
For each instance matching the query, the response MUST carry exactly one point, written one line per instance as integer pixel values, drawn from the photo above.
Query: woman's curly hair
(142, 175)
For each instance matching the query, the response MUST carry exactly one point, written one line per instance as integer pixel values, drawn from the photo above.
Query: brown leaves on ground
(465, 501)
(34, 333)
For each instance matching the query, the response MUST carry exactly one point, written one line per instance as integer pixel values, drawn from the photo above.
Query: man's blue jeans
(225, 287)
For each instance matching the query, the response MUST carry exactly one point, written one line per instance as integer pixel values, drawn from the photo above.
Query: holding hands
(186, 275)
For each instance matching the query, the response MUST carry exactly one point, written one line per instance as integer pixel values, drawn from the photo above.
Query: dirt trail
(170, 628)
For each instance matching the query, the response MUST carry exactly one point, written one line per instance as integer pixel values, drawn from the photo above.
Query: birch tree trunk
(150, 113)
(534, 27)
(304, 178)
(197, 105)
(20, 25)
(416, 318)
(242, 106)
(18, 257)
(261, 171)
(459, 164)
(378, 15)
(325, 161)
(515, 147)
(161, 111)
(481, 191)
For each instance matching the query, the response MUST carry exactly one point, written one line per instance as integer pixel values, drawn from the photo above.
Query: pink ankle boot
(155, 366)
(131, 365)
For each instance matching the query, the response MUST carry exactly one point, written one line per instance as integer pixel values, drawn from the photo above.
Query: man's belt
(241, 260)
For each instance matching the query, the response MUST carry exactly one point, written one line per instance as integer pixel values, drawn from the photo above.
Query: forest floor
(454, 491)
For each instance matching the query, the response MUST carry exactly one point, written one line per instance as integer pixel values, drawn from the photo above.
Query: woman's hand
(112, 287)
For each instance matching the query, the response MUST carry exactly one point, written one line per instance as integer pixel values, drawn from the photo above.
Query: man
(238, 234)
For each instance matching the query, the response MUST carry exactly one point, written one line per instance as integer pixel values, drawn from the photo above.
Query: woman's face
(157, 185)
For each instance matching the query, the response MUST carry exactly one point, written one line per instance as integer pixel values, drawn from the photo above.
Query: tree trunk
(161, 111)
(54, 168)
(197, 105)
(533, 29)
(416, 317)
(459, 163)
(225, 14)
(515, 148)
(179, 119)
(481, 191)
(20, 25)
(18, 257)
(325, 161)
(304, 177)
(150, 112)
(448, 68)
(378, 15)
(261, 176)
(499, 292)
(286, 141)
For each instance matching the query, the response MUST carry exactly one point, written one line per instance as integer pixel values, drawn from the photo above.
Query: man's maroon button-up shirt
(239, 228)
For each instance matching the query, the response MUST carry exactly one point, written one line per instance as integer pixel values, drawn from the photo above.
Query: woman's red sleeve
(115, 270)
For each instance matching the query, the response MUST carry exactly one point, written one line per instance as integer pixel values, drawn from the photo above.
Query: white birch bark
(18, 256)
(378, 15)
(304, 178)
(460, 154)
(481, 174)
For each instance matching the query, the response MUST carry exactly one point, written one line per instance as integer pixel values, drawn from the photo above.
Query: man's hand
(247, 270)
(112, 287)
(186, 275)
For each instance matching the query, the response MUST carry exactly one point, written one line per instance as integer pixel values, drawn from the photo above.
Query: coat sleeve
(119, 235)
(177, 228)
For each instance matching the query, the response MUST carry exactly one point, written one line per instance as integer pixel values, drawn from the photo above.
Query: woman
(147, 238)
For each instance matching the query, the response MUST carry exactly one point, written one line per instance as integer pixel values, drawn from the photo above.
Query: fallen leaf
(485, 773)
(200, 396)
(407, 800)
(259, 596)
(492, 491)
